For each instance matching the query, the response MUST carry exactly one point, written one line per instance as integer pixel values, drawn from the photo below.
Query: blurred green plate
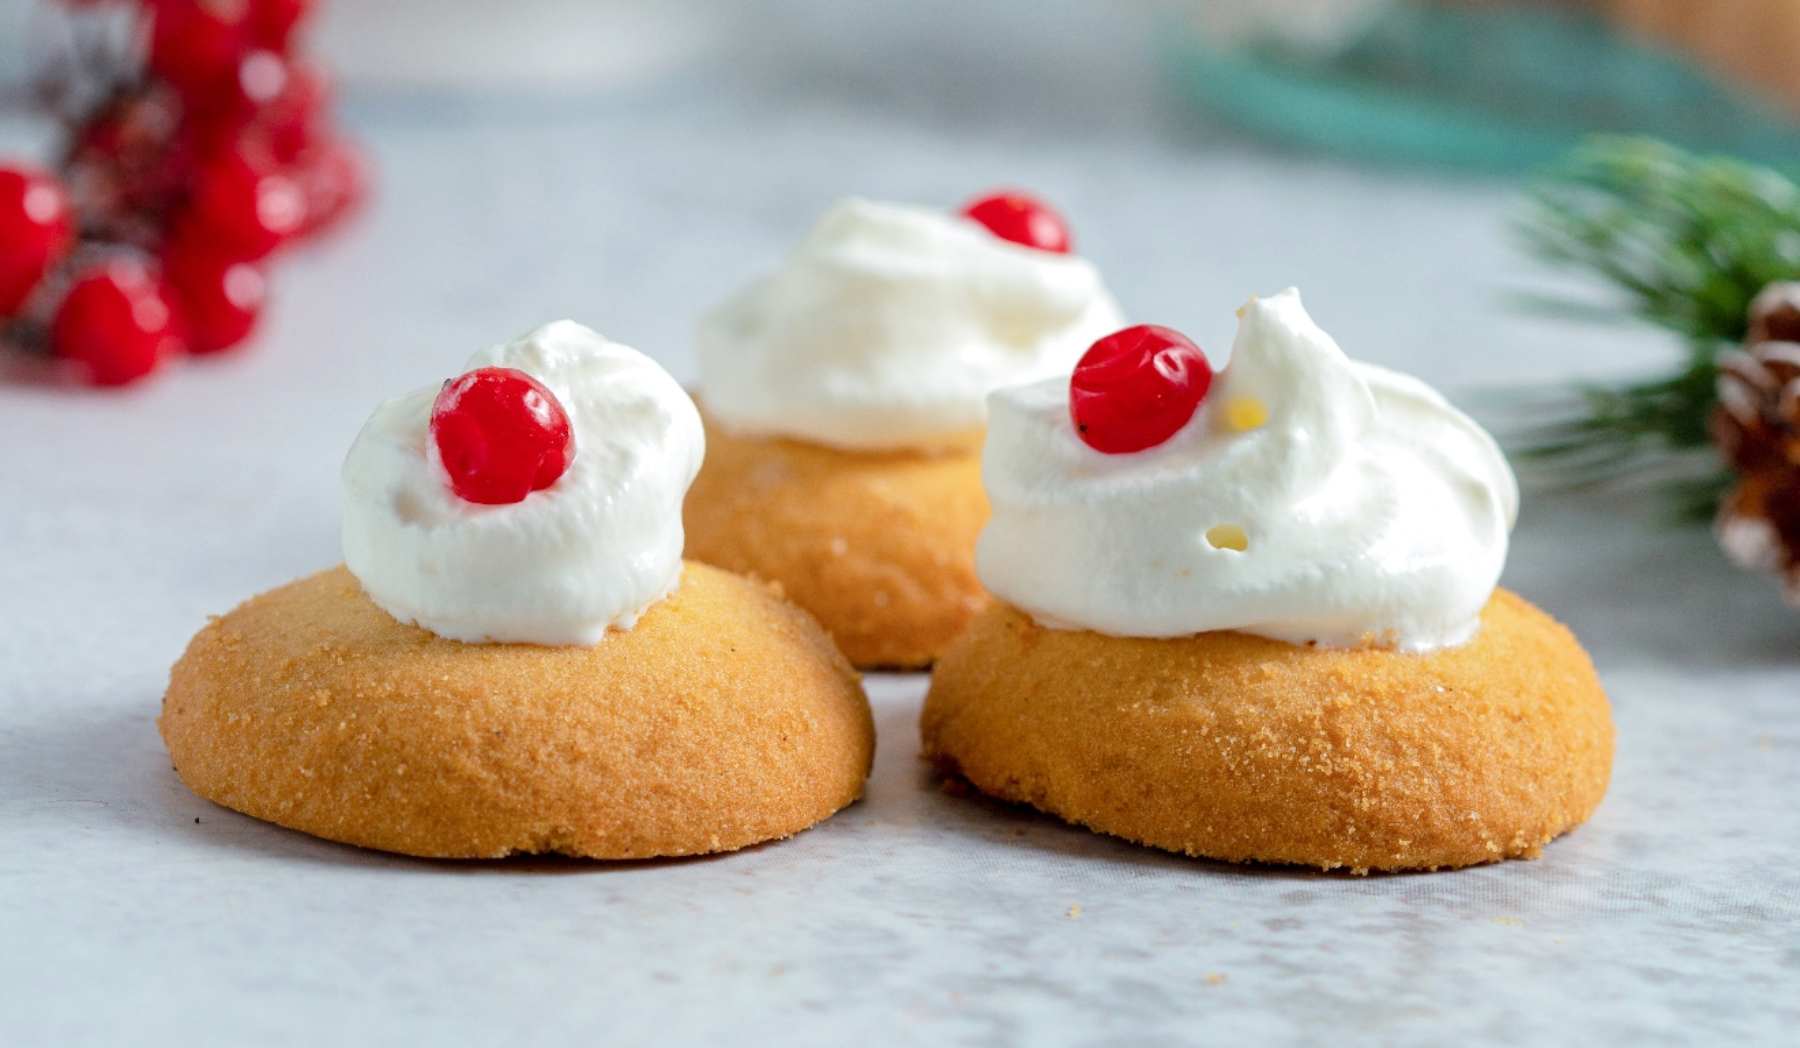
(1498, 90)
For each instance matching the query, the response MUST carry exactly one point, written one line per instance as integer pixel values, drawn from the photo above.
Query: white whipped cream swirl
(588, 553)
(887, 327)
(1369, 510)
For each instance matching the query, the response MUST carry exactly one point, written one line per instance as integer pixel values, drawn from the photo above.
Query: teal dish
(1488, 89)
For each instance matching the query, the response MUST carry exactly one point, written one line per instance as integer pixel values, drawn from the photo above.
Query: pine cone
(1757, 428)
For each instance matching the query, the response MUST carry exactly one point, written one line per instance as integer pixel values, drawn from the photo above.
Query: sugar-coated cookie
(1254, 615)
(847, 393)
(1241, 748)
(723, 718)
(879, 546)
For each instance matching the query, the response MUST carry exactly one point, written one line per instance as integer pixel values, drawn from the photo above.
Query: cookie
(1239, 748)
(879, 546)
(724, 718)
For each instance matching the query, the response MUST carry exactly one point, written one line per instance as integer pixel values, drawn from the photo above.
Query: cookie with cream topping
(1273, 631)
(516, 658)
(845, 402)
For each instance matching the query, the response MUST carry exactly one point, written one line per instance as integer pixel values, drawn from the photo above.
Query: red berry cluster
(210, 149)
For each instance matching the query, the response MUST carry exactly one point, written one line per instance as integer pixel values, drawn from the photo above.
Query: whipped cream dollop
(888, 326)
(588, 553)
(1312, 498)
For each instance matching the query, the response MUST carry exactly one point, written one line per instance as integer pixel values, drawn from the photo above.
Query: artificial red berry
(128, 163)
(1022, 219)
(294, 120)
(501, 435)
(161, 177)
(1135, 388)
(195, 44)
(117, 323)
(36, 229)
(128, 127)
(248, 206)
(221, 297)
(257, 78)
(272, 22)
(335, 180)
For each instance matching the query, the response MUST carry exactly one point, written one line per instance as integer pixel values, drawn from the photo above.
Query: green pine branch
(1682, 242)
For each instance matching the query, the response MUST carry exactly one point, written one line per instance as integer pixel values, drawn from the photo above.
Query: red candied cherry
(1135, 388)
(221, 297)
(117, 323)
(501, 435)
(36, 229)
(1022, 219)
(196, 43)
(252, 208)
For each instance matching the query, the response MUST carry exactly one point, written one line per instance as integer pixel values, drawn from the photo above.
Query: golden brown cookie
(1240, 748)
(724, 718)
(879, 546)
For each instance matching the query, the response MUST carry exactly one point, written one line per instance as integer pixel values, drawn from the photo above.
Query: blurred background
(1483, 82)
(630, 162)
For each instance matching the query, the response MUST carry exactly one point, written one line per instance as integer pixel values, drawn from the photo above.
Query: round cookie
(1240, 748)
(723, 718)
(880, 547)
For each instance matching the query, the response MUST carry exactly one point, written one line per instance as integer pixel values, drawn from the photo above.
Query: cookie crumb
(1215, 978)
(1074, 913)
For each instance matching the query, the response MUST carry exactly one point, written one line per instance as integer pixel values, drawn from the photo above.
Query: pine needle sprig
(1682, 242)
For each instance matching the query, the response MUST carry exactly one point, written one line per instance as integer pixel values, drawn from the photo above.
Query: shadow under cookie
(1235, 747)
(722, 719)
(879, 546)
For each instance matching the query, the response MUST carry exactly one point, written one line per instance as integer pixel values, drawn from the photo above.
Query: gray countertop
(133, 912)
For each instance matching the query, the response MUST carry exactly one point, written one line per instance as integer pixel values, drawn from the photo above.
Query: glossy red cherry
(1022, 219)
(501, 435)
(36, 229)
(117, 323)
(221, 297)
(249, 207)
(1135, 388)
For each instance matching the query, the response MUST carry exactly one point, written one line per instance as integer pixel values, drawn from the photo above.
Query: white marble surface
(133, 912)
